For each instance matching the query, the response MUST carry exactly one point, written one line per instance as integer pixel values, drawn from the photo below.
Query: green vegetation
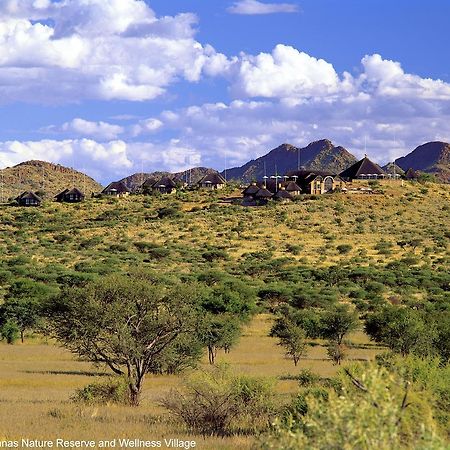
(164, 289)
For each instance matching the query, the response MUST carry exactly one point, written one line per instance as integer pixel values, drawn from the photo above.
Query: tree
(219, 331)
(125, 322)
(9, 331)
(336, 352)
(23, 303)
(291, 336)
(403, 330)
(338, 322)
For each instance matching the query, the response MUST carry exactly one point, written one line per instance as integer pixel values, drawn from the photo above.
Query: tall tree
(126, 322)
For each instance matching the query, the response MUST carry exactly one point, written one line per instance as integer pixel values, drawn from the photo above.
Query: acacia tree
(125, 322)
(292, 337)
(336, 323)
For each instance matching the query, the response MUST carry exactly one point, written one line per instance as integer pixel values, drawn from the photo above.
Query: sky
(114, 87)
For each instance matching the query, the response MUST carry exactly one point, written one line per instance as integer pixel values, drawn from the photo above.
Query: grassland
(38, 379)
(408, 223)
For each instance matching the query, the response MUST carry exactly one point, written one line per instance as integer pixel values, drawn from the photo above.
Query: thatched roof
(263, 193)
(292, 186)
(212, 178)
(363, 167)
(116, 186)
(28, 195)
(73, 191)
(251, 190)
(165, 182)
(282, 194)
(148, 183)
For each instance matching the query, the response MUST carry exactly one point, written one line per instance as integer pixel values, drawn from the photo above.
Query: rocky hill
(432, 157)
(193, 175)
(44, 177)
(319, 155)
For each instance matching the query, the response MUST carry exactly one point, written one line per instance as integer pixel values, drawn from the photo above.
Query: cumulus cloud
(67, 51)
(254, 7)
(286, 72)
(99, 130)
(97, 158)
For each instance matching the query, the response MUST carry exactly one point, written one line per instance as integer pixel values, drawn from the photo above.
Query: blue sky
(110, 87)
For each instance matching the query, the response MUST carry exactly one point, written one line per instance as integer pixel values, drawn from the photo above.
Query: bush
(113, 390)
(219, 403)
(307, 378)
(344, 248)
(372, 410)
(10, 331)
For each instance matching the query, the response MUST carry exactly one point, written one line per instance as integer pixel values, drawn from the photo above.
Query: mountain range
(432, 157)
(319, 155)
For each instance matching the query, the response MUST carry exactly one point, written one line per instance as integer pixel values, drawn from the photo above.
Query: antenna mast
(225, 172)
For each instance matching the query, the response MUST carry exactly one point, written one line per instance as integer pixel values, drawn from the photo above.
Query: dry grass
(37, 381)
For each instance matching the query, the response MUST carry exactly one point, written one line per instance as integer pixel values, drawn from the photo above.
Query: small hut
(283, 196)
(28, 199)
(212, 181)
(250, 191)
(147, 186)
(165, 186)
(116, 189)
(292, 188)
(263, 196)
(70, 196)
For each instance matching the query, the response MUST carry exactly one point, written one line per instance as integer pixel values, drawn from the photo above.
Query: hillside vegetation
(46, 178)
(324, 279)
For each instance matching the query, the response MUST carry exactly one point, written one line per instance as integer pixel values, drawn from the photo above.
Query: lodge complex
(280, 188)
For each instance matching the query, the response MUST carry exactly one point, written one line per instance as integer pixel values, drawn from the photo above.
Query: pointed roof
(28, 195)
(149, 182)
(166, 182)
(292, 186)
(117, 186)
(263, 193)
(283, 194)
(213, 178)
(61, 194)
(363, 167)
(251, 190)
(73, 191)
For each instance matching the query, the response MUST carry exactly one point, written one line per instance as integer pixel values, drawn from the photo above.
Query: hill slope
(43, 176)
(432, 157)
(319, 155)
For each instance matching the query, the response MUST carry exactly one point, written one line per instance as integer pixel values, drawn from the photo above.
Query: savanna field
(334, 280)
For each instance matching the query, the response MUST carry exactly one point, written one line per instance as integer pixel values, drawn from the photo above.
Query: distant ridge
(43, 176)
(195, 174)
(431, 157)
(319, 155)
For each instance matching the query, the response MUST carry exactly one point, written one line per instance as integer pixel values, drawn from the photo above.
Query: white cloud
(286, 72)
(99, 130)
(99, 159)
(146, 126)
(253, 7)
(95, 49)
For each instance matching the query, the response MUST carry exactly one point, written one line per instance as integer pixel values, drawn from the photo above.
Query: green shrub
(10, 331)
(344, 248)
(112, 390)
